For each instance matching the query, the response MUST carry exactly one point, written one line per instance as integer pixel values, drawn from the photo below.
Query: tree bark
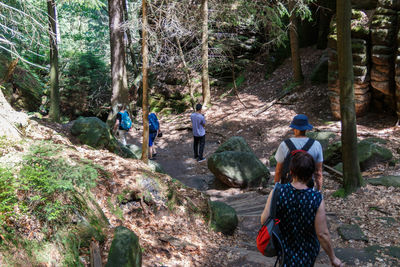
(119, 81)
(205, 82)
(145, 102)
(129, 40)
(10, 71)
(351, 169)
(54, 87)
(294, 43)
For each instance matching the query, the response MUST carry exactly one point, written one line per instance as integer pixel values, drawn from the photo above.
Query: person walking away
(301, 214)
(299, 142)
(199, 133)
(154, 130)
(123, 123)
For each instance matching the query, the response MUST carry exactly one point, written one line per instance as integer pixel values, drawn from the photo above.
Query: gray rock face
(320, 72)
(235, 164)
(223, 217)
(238, 169)
(125, 250)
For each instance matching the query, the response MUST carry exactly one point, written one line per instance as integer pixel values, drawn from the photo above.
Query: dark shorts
(152, 136)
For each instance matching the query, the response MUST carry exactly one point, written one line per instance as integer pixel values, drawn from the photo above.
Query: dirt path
(227, 117)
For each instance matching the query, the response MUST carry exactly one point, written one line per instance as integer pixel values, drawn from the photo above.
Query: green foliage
(340, 193)
(8, 199)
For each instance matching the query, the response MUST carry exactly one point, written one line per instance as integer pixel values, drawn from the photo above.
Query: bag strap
(290, 145)
(275, 196)
(308, 145)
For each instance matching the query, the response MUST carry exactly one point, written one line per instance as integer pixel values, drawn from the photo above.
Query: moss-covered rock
(386, 181)
(93, 132)
(351, 232)
(125, 249)
(235, 143)
(369, 153)
(238, 169)
(320, 72)
(223, 217)
(323, 137)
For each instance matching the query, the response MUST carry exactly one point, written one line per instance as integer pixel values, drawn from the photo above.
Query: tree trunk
(129, 40)
(119, 81)
(145, 102)
(187, 72)
(351, 169)
(294, 43)
(10, 71)
(205, 82)
(54, 88)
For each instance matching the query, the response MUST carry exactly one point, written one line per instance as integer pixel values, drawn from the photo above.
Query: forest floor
(375, 209)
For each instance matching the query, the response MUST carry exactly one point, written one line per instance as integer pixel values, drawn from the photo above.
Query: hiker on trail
(301, 214)
(299, 142)
(154, 131)
(199, 133)
(123, 123)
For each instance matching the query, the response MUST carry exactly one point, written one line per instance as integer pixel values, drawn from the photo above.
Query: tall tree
(145, 102)
(119, 81)
(294, 43)
(54, 88)
(351, 169)
(205, 81)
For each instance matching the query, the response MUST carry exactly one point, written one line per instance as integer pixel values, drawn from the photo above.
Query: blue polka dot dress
(296, 210)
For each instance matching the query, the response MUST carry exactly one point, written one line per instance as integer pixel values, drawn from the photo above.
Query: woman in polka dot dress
(301, 211)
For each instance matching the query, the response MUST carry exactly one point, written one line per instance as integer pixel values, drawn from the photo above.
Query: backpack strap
(308, 145)
(290, 145)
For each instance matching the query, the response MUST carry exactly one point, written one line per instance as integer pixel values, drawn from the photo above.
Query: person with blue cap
(300, 142)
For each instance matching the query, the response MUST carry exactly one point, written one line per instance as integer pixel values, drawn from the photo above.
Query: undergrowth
(43, 188)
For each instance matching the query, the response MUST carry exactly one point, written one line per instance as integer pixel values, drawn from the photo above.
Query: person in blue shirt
(199, 133)
(154, 130)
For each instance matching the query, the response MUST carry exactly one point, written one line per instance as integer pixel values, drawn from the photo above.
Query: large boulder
(235, 164)
(238, 169)
(235, 143)
(323, 137)
(320, 72)
(93, 132)
(125, 249)
(223, 217)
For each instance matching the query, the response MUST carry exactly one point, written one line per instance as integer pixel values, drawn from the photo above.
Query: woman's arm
(265, 213)
(321, 228)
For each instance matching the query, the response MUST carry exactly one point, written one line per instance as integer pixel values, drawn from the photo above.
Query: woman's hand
(337, 263)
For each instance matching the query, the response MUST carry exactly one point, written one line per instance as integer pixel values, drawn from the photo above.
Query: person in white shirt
(300, 125)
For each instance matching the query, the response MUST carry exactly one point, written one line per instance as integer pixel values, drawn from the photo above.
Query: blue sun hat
(300, 122)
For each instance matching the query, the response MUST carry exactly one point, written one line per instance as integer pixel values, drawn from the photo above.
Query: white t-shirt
(315, 150)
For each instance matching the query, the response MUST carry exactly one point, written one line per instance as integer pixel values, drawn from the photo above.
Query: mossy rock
(323, 137)
(238, 169)
(386, 181)
(93, 132)
(339, 167)
(235, 143)
(223, 217)
(136, 150)
(320, 72)
(333, 153)
(370, 153)
(351, 232)
(155, 166)
(125, 250)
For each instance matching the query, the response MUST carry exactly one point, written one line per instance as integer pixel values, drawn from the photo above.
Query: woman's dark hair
(302, 166)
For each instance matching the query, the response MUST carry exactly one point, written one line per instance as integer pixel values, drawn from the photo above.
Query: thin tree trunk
(54, 87)
(351, 169)
(205, 82)
(10, 71)
(145, 102)
(294, 43)
(119, 81)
